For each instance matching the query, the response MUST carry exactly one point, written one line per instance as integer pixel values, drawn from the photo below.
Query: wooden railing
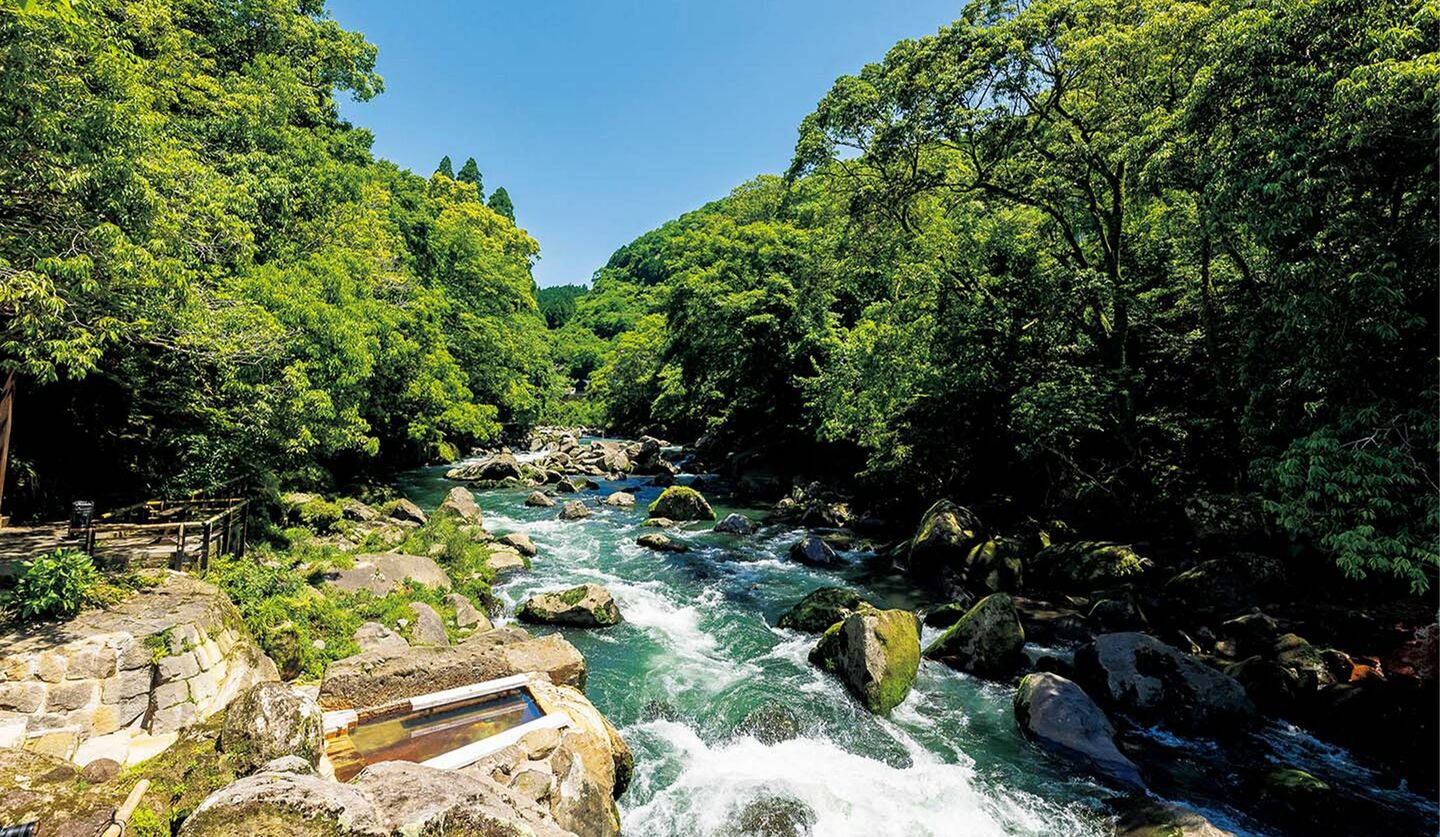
(180, 534)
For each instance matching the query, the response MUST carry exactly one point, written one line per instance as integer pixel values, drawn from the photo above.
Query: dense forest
(1091, 258)
(1100, 259)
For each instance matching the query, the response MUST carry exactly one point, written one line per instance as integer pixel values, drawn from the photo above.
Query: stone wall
(120, 683)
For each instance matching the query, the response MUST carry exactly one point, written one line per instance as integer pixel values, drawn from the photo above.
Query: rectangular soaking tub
(450, 729)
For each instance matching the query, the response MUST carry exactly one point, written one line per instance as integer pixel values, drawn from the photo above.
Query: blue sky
(606, 119)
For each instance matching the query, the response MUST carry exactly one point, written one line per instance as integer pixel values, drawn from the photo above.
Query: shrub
(58, 585)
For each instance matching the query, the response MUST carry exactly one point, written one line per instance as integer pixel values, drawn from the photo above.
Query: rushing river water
(698, 651)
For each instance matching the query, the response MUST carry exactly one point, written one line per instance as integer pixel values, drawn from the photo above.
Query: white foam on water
(697, 659)
(849, 794)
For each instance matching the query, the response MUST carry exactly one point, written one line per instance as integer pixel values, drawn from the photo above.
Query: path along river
(698, 651)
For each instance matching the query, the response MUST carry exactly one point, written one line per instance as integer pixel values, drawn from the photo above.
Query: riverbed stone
(268, 721)
(504, 560)
(429, 628)
(521, 543)
(574, 510)
(875, 653)
(1057, 714)
(1155, 683)
(820, 609)
(813, 550)
(407, 512)
(585, 606)
(459, 504)
(375, 636)
(735, 524)
(944, 536)
(660, 543)
(770, 723)
(680, 502)
(539, 500)
(621, 499)
(1084, 566)
(987, 641)
(466, 614)
(383, 573)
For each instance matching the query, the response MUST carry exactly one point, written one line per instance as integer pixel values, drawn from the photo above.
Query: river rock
(813, 550)
(945, 535)
(681, 503)
(660, 543)
(735, 524)
(407, 512)
(1274, 689)
(466, 614)
(522, 543)
(658, 523)
(773, 815)
(1085, 566)
(268, 721)
(380, 675)
(494, 468)
(429, 628)
(373, 636)
(1058, 715)
(574, 510)
(586, 606)
(621, 500)
(947, 614)
(460, 505)
(504, 560)
(875, 653)
(770, 723)
(1143, 816)
(539, 500)
(1228, 585)
(1147, 679)
(987, 641)
(820, 609)
(385, 572)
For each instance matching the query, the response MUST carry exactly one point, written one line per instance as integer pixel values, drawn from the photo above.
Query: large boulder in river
(460, 505)
(679, 502)
(540, 500)
(813, 550)
(1144, 816)
(735, 524)
(586, 606)
(1058, 715)
(987, 641)
(875, 653)
(1229, 585)
(1085, 566)
(493, 468)
(994, 565)
(574, 510)
(660, 543)
(621, 500)
(1143, 677)
(946, 533)
(267, 721)
(820, 609)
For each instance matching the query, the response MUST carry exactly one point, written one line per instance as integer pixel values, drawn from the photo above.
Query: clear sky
(606, 119)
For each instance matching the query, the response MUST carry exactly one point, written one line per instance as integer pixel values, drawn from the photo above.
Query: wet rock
(944, 537)
(1145, 678)
(1085, 566)
(385, 572)
(1307, 662)
(947, 614)
(381, 675)
(820, 609)
(1228, 585)
(875, 653)
(659, 710)
(621, 500)
(735, 524)
(574, 510)
(1117, 615)
(500, 466)
(658, 523)
(660, 543)
(1146, 817)
(772, 815)
(406, 511)
(681, 503)
(504, 560)
(460, 505)
(770, 723)
(268, 721)
(813, 550)
(539, 500)
(521, 542)
(1293, 798)
(1274, 689)
(1058, 715)
(586, 606)
(987, 641)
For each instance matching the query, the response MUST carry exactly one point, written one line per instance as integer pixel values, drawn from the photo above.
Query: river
(698, 651)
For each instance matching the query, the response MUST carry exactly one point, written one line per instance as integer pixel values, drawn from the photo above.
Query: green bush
(58, 585)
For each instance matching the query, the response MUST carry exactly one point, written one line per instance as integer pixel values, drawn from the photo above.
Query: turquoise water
(698, 651)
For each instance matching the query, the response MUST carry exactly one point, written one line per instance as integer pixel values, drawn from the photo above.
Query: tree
(500, 202)
(445, 167)
(470, 173)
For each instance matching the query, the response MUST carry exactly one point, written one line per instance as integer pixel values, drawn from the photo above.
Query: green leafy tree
(470, 173)
(500, 202)
(446, 167)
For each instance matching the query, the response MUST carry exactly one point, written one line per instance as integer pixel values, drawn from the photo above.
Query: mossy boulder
(268, 721)
(875, 653)
(987, 641)
(1085, 566)
(944, 537)
(994, 565)
(679, 502)
(771, 815)
(586, 606)
(820, 609)
(770, 723)
(1228, 585)
(1291, 797)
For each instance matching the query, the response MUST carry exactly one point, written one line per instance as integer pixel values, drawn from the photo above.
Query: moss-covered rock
(875, 653)
(1085, 565)
(994, 565)
(820, 609)
(987, 641)
(586, 606)
(944, 537)
(681, 503)
(268, 721)
(1293, 798)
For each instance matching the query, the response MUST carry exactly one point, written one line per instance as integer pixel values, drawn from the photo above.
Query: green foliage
(446, 167)
(470, 173)
(56, 585)
(500, 202)
(557, 303)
